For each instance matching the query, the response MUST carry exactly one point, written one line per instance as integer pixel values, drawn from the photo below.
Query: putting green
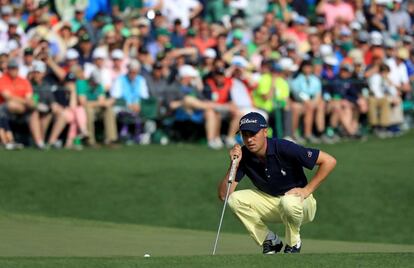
(24, 235)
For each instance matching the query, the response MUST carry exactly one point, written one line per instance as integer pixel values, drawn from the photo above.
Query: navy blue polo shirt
(282, 169)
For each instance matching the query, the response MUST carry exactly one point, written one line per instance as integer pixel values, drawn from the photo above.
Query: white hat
(383, 2)
(12, 45)
(325, 50)
(389, 43)
(376, 38)
(6, 10)
(239, 61)
(355, 26)
(331, 60)
(117, 54)
(287, 64)
(210, 53)
(99, 53)
(38, 66)
(143, 21)
(134, 65)
(187, 71)
(72, 54)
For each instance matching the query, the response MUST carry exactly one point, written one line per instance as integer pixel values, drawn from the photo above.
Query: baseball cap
(99, 53)
(72, 54)
(210, 53)
(252, 122)
(39, 66)
(12, 64)
(117, 54)
(187, 71)
(134, 65)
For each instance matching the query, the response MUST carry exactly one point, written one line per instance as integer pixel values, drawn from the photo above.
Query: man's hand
(236, 152)
(302, 192)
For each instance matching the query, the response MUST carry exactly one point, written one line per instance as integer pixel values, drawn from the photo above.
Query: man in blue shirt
(283, 194)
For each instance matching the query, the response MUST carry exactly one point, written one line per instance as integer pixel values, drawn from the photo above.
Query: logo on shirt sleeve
(309, 154)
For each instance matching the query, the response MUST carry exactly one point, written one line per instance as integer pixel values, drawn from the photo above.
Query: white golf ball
(146, 255)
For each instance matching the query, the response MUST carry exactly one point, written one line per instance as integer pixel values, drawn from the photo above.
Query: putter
(229, 182)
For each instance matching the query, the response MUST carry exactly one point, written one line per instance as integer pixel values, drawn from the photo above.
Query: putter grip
(233, 168)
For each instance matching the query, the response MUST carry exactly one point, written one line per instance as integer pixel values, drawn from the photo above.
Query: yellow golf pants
(254, 208)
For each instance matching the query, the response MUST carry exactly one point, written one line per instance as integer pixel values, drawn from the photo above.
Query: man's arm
(326, 164)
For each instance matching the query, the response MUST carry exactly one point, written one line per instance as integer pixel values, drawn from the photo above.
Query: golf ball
(146, 255)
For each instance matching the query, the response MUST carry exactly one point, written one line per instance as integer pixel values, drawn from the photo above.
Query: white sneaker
(13, 146)
(215, 144)
(230, 142)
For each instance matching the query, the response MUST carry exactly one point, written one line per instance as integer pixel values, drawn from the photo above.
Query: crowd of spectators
(320, 71)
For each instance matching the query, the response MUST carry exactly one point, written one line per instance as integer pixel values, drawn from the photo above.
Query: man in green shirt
(92, 96)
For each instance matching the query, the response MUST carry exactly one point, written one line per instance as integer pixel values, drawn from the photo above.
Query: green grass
(309, 260)
(125, 202)
(367, 198)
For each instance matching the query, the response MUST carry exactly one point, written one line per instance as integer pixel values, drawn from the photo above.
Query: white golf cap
(331, 60)
(134, 65)
(287, 64)
(99, 53)
(38, 66)
(117, 54)
(325, 50)
(72, 54)
(187, 71)
(143, 21)
(6, 10)
(355, 26)
(210, 53)
(376, 38)
(239, 61)
(12, 45)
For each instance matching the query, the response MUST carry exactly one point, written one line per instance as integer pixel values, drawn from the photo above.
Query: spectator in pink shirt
(334, 10)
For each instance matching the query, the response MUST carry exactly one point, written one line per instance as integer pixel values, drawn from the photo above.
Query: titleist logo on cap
(248, 121)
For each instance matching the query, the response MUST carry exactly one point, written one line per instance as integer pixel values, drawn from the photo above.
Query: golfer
(283, 194)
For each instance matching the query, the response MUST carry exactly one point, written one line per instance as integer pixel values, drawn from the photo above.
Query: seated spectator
(46, 107)
(384, 102)
(128, 91)
(218, 90)
(75, 114)
(92, 97)
(307, 100)
(195, 105)
(16, 94)
(348, 100)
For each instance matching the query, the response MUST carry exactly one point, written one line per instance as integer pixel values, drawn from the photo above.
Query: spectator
(92, 97)
(184, 10)
(335, 11)
(218, 90)
(16, 94)
(46, 107)
(307, 100)
(128, 91)
(384, 98)
(398, 19)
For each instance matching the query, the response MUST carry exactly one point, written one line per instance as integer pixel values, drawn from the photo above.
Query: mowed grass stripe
(23, 235)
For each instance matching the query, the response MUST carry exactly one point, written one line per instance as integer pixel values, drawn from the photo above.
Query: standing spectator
(122, 7)
(67, 8)
(335, 10)
(398, 19)
(185, 10)
(92, 97)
